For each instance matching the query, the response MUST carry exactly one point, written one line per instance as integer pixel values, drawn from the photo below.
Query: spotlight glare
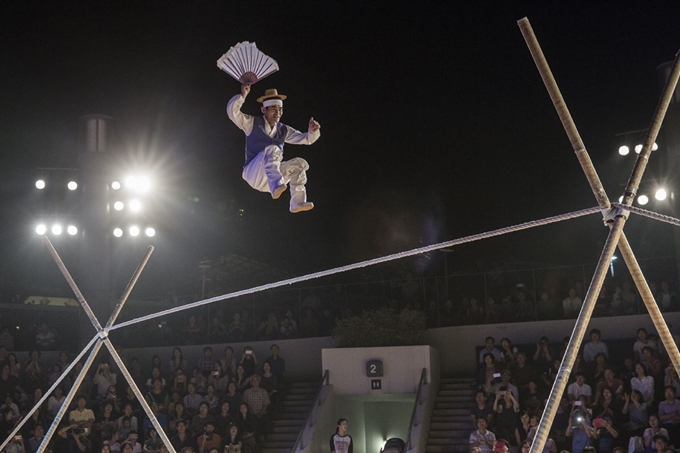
(134, 231)
(56, 229)
(72, 230)
(115, 185)
(150, 232)
(41, 229)
(655, 147)
(624, 150)
(117, 232)
(72, 185)
(661, 194)
(638, 148)
(135, 206)
(643, 200)
(143, 184)
(118, 205)
(40, 184)
(621, 199)
(130, 182)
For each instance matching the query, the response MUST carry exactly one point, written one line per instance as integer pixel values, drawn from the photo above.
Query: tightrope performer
(264, 169)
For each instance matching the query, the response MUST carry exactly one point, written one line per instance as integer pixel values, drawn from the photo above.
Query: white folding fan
(246, 63)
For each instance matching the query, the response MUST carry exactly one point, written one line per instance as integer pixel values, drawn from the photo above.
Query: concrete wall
(457, 344)
(402, 367)
(384, 420)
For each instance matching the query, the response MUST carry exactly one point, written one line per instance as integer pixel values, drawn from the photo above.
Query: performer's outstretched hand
(245, 89)
(313, 126)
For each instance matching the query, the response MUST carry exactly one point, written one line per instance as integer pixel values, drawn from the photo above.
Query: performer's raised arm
(240, 119)
(313, 133)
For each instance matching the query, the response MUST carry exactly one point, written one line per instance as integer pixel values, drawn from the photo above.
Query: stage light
(138, 183)
(150, 232)
(40, 184)
(621, 199)
(135, 206)
(118, 205)
(72, 185)
(115, 185)
(41, 229)
(661, 194)
(56, 229)
(134, 231)
(638, 148)
(643, 200)
(72, 230)
(117, 232)
(624, 150)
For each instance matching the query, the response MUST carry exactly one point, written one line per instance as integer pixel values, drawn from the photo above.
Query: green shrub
(384, 327)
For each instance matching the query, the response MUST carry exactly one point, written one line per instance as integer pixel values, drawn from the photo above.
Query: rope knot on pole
(610, 214)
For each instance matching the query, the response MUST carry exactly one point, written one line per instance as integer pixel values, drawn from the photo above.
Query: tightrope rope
(371, 262)
(650, 214)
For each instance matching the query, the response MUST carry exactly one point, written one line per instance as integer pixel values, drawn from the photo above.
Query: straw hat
(271, 93)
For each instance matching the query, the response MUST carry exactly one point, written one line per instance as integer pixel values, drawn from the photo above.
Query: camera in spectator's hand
(76, 431)
(577, 419)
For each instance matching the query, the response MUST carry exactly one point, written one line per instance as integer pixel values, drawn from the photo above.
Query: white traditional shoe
(302, 207)
(279, 191)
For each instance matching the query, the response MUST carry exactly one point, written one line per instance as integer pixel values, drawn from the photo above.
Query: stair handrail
(423, 381)
(317, 402)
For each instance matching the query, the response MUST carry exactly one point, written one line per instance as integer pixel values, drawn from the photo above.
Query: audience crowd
(220, 401)
(621, 395)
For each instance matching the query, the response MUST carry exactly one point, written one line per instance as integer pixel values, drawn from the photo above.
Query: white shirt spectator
(590, 350)
(576, 391)
(485, 440)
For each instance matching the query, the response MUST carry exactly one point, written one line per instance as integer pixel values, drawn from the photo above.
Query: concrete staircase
(290, 420)
(451, 426)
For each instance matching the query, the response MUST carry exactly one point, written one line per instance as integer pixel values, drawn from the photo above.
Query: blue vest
(258, 139)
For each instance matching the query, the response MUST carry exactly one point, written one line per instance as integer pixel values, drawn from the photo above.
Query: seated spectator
(8, 403)
(112, 397)
(579, 429)
(475, 313)
(481, 409)
(215, 376)
(579, 388)
(522, 372)
(669, 414)
(606, 434)
(269, 328)
(524, 308)
(636, 409)
(247, 426)
(179, 381)
(106, 422)
(206, 363)
(490, 372)
(523, 429)
(45, 339)
(490, 349)
(55, 402)
(505, 384)
(654, 430)
(224, 420)
(594, 347)
(200, 419)
(127, 413)
(192, 332)
(571, 305)
(178, 413)
(156, 374)
(234, 398)
(548, 377)
(104, 378)
(177, 361)
(482, 438)
(217, 332)
(533, 399)
(209, 439)
(642, 341)
(228, 363)
(233, 442)
(131, 399)
(277, 363)
(237, 330)
(192, 401)
(75, 437)
(643, 383)
(158, 394)
(607, 406)
(653, 365)
(506, 408)
(671, 378)
(493, 311)
(610, 382)
(258, 402)
(35, 441)
(242, 381)
(545, 307)
(268, 380)
(199, 381)
(211, 398)
(160, 417)
(248, 361)
(33, 372)
(182, 439)
(543, 357)
(14, 365)
(508, 352)
(152, 444)
(667, 299)
(597, 368)
(81, 416)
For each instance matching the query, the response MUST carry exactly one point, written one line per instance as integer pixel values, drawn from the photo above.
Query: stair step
(456, 392)
(285, 437)
(289, 422)
(439, 426)
(303, 384)
(303, 390)
(444, 441)
(288, 445)
(446, 448)
(286, 430)
(292, 416)
(300, 397)
(451, 411)
(450, 434)
(276, 450)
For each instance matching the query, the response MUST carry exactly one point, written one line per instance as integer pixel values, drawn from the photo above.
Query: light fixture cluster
(624, 150)
(134, 231)
(41, 184)
(57, 229)
(127, 197)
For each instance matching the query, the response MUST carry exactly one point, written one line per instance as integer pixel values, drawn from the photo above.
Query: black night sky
(435, 122)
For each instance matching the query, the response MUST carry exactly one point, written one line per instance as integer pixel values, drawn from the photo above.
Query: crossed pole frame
(614, 218)
(101, 338)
